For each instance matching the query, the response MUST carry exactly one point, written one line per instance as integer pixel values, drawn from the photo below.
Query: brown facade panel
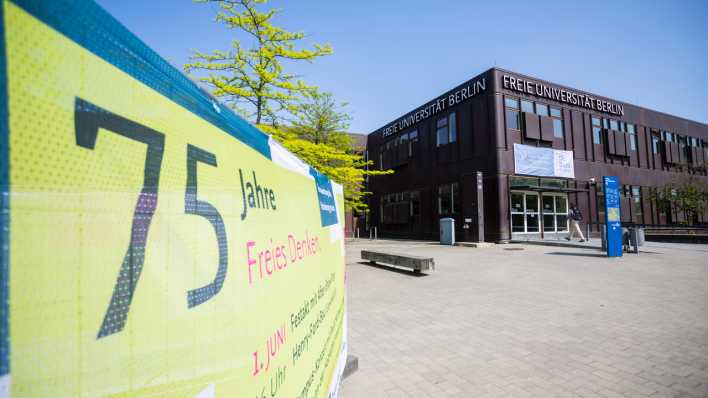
(620, 147)
(579, 144)
(532, 129)
(567, 131)
(546, 129)
(642, 149)
(611, 143)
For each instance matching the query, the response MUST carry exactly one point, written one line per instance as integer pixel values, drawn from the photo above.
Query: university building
(539, 147)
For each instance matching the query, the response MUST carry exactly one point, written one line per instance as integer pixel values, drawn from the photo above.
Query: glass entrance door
(524, 212)
(555, 212)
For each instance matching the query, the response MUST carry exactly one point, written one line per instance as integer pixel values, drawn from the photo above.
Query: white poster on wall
(543, 162)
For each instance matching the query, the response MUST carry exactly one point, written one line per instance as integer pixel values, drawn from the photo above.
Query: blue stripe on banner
(4, 207)
(89, 25)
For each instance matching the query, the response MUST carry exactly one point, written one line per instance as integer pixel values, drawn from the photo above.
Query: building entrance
(535, 212)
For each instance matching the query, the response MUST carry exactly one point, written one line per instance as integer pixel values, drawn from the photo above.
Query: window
(452, 123)
(557, 122)
(654, 144)
(596, 131)
(631, 130)
(403, 147)
(614, 125)
(412, 141)
(396, 152)
(558, 128)
(548, 182)
(606, 123)
(516, 181)
(400, 207)
(683, 147)
(442, 133)
(526, 106)
(448, 198)
(415, 204)
(446, 128)
(512, 103)
(512, 113)
(669, 137)
(541, 109)
(637, 205)
(512, 119)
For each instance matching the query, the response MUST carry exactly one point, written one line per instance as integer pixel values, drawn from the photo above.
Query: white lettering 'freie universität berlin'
(561, 95)
(437, 105)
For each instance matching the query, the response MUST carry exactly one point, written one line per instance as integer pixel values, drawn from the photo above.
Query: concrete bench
(416, 263)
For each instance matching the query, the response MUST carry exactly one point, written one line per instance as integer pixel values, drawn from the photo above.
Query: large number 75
(88, 119)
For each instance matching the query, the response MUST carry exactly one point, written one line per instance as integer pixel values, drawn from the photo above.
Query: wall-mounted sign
(467, 91)
(612, 216)
(543, 162)
(562, 95)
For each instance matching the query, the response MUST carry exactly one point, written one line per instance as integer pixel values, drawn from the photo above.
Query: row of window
(514, 107)
(404, 207)
(684, 142)
(599, 123)
(400, 207)
(398, 150)
(402, 147)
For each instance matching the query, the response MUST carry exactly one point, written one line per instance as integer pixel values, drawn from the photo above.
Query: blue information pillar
(612, 216)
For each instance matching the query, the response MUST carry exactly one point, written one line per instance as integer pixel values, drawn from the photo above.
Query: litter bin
(447, 231)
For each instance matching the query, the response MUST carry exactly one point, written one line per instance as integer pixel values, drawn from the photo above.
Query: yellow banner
(151, 252)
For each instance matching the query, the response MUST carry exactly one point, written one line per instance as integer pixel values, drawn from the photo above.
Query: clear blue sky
(391, 56)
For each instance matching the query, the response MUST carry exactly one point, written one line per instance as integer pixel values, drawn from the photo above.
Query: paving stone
(540, 322)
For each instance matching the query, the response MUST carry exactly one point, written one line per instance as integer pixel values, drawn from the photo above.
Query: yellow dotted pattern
(71, 219)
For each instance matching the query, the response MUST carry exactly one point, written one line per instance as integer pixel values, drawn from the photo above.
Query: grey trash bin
(636, 236)
(447, 231)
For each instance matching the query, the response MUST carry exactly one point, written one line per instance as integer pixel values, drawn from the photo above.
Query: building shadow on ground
(392, 268)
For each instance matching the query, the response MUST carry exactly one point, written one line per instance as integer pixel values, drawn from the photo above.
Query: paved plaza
(529, 321)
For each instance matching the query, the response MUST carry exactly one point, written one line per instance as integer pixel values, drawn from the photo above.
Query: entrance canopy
(537, 188)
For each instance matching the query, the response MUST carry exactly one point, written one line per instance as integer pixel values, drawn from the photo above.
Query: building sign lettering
(438, 105)
(561, 95)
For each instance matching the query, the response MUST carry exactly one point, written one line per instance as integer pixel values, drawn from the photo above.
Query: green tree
(691, 198)
(341, 165)
(253, 79)
(322, 120)
(319, 137)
